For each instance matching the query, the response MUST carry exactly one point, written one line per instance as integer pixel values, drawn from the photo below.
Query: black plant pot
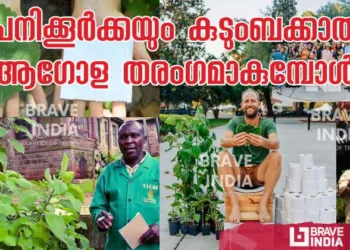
(184, 228)
(174, 226)
(206, 229)
(192, 230)
(217, 232)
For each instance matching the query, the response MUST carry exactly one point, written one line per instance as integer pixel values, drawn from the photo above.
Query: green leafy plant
(248, 128)
(28, 51)
(216, 215)
(193, 140)
(175, 212)
(5, 126)
(340, 209)
(193, 216)
(109, 158)
(45, 214)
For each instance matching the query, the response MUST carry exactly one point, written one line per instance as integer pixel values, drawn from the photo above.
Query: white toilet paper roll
(294, 171)
(321, 173)
(277, 216)
(327, 216)
(286, 183)
(298, 216)
(333, 195)
(294, 185)
(322, 185)
(310, 174)
(312, 203)
(279, 202)
(309, 187)
(312, 216)
(283, 217)
(298, 202)
(326, 201)
(306, 160)
(288, 204)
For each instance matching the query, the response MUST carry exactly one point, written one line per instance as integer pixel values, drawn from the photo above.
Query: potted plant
(174, 221)
(184, 224)
(185, 219)
(194, 218)
(215, 213)
(219, 225)
(204, 205)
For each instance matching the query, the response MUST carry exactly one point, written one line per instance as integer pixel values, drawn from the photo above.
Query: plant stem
(46, 203)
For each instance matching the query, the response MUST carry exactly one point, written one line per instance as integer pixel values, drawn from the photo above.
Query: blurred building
(80, 138)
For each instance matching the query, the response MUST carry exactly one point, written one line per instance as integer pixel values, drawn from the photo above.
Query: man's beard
(251, 116)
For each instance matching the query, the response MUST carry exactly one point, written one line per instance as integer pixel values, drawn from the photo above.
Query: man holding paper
(125, 188)
(251, 137)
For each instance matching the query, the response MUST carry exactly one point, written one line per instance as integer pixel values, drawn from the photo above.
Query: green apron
(124, 196)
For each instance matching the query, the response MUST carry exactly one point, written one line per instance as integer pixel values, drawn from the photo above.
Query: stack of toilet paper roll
(306, 196)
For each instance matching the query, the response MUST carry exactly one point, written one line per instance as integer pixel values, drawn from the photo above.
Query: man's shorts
(249, 175)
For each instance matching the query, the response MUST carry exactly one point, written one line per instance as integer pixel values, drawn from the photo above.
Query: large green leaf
(23, 182)
(25, 243)
(68, 176)
(16, 144)
(56, 225)
(6, 209)
(82, 225)
(29, 121)
(3, 177)
(196, 151)
(3, 158)
(184, 175)
(197, 217)
(5, 199)
(29, 51)
(21, 128)
(64, 163)
(28, 198)
(77, 192)
(59, 186)
(48, 176)
(10, 241)
(3, 132)
(75, 202)
(205, 146)
(40, 231)
(172, 120)
(3, 231)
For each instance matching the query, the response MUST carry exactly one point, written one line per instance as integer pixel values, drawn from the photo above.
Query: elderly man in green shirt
(126, 187)
(255, 160)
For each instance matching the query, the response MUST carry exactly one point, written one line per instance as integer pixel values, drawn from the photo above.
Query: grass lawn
(213, 123)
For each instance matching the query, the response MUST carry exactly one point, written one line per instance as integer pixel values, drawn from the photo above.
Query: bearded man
(254, 160)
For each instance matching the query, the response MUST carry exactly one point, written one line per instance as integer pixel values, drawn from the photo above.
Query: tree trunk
(312, 105)
(267, 96)
(216, 113)
(334, 107)
(300, 108)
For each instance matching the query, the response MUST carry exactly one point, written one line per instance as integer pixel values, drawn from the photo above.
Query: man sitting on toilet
(252, 163)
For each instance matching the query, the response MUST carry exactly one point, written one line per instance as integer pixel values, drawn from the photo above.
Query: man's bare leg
(12, 106)
(119, 109)
(96, 109)
(269, 172)
(228, 172)
(81, 105)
